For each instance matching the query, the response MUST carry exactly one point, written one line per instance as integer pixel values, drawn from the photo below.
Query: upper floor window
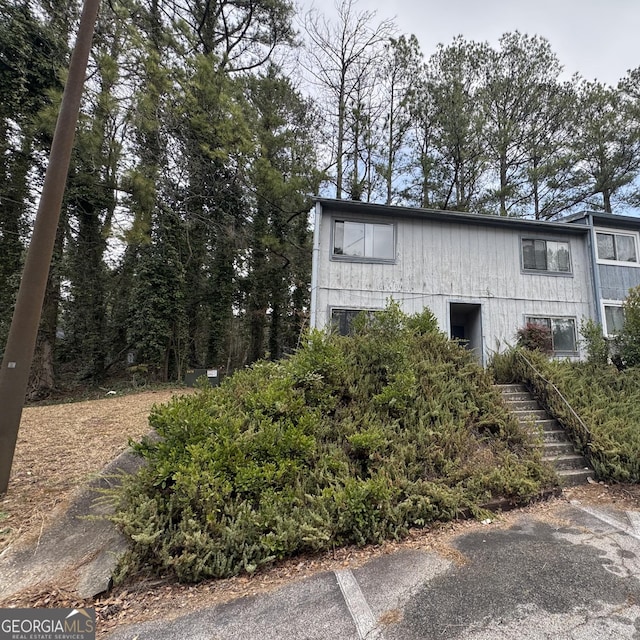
(366, 240)
(617, 247)
(545, 255)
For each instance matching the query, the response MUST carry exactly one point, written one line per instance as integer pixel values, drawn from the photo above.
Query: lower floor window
(613, 319)
(342, 319)
(563, 332)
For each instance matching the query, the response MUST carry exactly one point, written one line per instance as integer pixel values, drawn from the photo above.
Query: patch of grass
(351, 440)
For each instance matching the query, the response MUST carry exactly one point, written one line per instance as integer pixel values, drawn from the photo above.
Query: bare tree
(400, 72)
(342, 56)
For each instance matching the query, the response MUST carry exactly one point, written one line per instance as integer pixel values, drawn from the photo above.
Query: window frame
(617, 232)
(545, 272)
(355, 310)
(340, 257)
(529, 317)
(603, 305)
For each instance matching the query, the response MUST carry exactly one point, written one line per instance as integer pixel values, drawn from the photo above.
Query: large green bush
(351, 440)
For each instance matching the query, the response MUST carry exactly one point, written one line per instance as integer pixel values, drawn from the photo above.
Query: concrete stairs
(558, 450)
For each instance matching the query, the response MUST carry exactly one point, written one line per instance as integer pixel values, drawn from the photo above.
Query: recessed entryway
(465, 324)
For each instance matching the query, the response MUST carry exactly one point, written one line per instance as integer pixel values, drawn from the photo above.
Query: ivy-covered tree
(91, 202)
(29, 58)
(279, 251)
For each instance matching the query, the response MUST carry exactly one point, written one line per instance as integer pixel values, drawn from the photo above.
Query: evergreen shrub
(595, 343)
(628, 340)
(353, 439)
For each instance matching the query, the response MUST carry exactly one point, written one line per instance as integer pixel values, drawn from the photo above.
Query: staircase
(571, 467)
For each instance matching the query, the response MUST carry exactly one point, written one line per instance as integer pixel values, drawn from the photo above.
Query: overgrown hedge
(605, 399)
(351, 440)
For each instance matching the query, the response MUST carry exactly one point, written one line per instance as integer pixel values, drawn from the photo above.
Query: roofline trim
(354, 206)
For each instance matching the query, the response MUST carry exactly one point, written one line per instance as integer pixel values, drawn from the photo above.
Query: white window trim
(553, 317)
(346, 258)
(545, 272)
(618, 232)
(608, 303)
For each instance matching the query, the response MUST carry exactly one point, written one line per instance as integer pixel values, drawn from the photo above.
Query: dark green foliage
(595, 343)
(157, 327)
(628, 340)
(351, 440)
(502, 366)
(607, 402)
(29, 54)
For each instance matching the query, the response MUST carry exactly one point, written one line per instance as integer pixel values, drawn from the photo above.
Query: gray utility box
(191, 375)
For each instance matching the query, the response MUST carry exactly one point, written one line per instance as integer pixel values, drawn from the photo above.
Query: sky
(599, 39)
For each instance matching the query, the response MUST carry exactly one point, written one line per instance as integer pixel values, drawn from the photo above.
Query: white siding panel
(440, 262)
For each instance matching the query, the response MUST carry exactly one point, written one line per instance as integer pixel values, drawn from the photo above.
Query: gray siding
(441, 262)
(615, 281)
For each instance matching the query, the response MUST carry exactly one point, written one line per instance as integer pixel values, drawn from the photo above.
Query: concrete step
(573, 477)
(548, 424)
(557, 448)
(557, 435)
(523, 405)
(566, 461)
(508, 388)
(510, 396)
(527, 415)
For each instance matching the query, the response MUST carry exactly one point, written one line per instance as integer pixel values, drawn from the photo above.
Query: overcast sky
(599, 39)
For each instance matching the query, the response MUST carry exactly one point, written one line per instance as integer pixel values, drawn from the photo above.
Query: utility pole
(18, 354)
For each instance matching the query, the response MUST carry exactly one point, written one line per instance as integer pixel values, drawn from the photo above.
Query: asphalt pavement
(573, 576)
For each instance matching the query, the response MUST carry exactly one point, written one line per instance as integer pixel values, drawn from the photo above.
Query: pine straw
(59, 449)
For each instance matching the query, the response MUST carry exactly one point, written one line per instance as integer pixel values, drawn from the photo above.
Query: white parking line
(633, 532)
(358, 606)
(634, 519)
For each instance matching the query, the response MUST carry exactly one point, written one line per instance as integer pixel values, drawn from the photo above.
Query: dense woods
(207, 126)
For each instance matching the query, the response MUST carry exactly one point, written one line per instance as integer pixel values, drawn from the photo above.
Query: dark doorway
(465, 324)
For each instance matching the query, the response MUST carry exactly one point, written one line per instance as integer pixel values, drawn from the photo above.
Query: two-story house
(482, 276)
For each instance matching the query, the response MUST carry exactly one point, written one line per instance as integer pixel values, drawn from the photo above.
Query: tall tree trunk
(503, 185)
(340, 141)
(222, 288)
(258, 302)
(535, 183)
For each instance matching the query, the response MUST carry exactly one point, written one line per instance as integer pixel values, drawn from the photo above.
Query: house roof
(601, 219)
(524, 224)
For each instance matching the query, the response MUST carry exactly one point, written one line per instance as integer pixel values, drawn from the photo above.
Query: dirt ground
(61, 447)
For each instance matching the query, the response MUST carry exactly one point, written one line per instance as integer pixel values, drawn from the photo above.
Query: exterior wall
(442, 262)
